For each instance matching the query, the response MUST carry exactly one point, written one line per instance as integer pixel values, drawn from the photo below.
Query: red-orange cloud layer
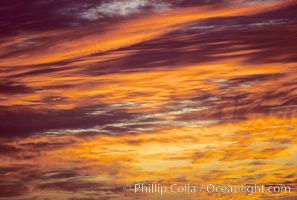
(102, 94)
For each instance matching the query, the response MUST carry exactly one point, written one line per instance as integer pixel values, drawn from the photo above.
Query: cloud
(77, 118)
(11, 88)
(13, 189)
(100, 106)
(123, 8)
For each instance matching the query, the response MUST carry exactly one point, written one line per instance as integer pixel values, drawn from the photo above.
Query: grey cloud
(122, 8)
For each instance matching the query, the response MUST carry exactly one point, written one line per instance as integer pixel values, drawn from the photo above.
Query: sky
(95, 95)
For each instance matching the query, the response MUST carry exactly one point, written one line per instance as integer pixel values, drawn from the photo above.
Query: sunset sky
(98, 94)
